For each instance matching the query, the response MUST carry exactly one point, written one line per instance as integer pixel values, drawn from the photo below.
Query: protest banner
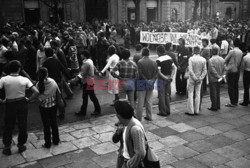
(173, 37)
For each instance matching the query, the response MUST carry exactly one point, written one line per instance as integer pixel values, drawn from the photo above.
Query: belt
(15, 100)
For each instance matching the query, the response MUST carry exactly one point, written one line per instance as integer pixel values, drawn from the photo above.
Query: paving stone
(85, 142)
(163, 123)
(247, 157)
(245, 129)
(156, 145)
(189, 163)
(223, 126)
(165, 158)
(172, 141)
(213, 119)
(201, 146)
(208, 131)
(151, 137)
(236, 135)
(221, 166)
(55, 161)
(197, 123)
(220, 141)
(229, 115)
(191, 136)
(239, 163)
(34, 164)
(12, 160)
(246, 117)
(149, 126)
(104, 137)
(103, 128)
(242, 145)
(82, 125)
(66, 138)
(230, 152)
(103, 121)
(211, 159)
(31, 138)
(182, 152)
(164, 132)
(67, 130)
(82, 154)
(104, 148)
(36, 154)
(83, 163)
(238, 122)
(38, 144)
(63, 148)
(83, 133)
(106, 160)
(180, 118)
(181, 127)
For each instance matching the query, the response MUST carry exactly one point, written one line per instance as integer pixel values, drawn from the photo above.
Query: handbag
(186, 75)
(151, 160)
(60, 102)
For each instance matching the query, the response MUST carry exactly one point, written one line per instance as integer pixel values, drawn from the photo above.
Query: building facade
(116, 11)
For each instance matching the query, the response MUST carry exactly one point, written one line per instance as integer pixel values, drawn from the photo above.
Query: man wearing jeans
(215, 74)
(147, 75)
(197, 72)
(167, 70)
(233, 62)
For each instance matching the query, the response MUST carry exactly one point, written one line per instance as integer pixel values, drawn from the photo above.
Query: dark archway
(174, 15)
(229, 12)
(96, 9)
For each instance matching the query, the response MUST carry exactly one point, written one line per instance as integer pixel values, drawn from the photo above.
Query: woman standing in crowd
(48, 90)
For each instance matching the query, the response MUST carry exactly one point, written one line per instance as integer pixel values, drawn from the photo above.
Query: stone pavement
(212, 139)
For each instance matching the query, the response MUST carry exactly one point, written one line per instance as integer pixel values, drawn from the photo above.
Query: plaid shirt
(127, 69)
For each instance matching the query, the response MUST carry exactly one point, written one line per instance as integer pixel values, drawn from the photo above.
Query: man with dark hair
(224, 46)
(215, 74)
(233, 62)
(87, 77)
(166, 70)
(246, 77)
(168, 52)
(137, 55)
(55, 71)
(148, 73)
(133, 137)
(127, 74)
(183, 55)
(16, 106)
(30, 60)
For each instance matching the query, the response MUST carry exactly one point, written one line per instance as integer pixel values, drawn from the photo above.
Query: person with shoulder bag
(48, 97)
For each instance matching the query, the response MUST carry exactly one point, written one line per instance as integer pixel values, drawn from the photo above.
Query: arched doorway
(229, 12)
(96, 9)
(174, 15)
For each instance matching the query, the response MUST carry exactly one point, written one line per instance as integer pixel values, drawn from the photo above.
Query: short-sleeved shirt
(166, 63)
(127, 69)
(15, 86)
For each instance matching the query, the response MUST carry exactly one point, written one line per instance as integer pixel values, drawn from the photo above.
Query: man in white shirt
(224, 47)
(16, 106)
(246, 77)
(197, 72)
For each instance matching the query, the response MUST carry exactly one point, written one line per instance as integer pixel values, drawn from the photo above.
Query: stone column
(113, 11)
(143, 10)
(166, 10)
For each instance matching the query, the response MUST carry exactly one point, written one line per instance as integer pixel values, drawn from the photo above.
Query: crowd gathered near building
(47, 60)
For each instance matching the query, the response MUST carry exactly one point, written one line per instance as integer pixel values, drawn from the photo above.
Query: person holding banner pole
(182, 64)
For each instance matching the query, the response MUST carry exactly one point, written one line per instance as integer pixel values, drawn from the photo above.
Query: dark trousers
(15, 111)
(233, 87)
(88, 92)
(164, 98)
(215, 95)
(181, 82)
(246, 83)
(48, 116)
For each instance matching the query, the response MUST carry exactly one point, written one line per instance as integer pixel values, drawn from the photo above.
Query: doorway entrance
(32, 16)
(96, 9)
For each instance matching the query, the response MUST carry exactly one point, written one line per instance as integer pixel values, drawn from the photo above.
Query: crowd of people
(48, 59)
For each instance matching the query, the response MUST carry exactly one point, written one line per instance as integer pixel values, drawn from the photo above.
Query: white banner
(173, 37)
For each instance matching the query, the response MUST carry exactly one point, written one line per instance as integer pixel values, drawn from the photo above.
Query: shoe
(80, 113)
(243, 104)
(196, 114)
(95, 113)
(61, 116)
(161, 114)
(230, 105)
(56, 143)
(6, 151)
(189, 114)
(211, 109)
(22, 148)
(149, 119)
(112, 105)
(46, 146)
